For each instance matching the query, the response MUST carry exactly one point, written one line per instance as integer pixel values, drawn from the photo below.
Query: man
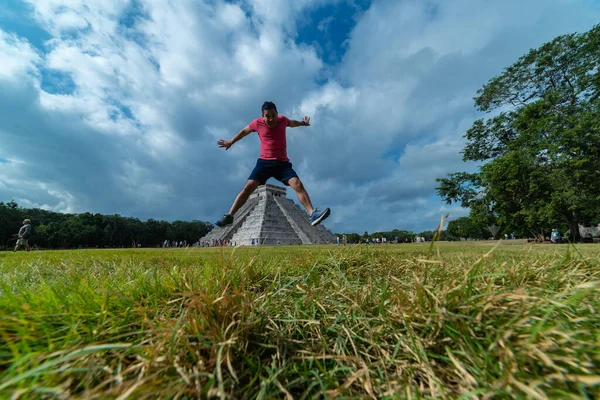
(273, 162)
(23, 235)
(555, 236)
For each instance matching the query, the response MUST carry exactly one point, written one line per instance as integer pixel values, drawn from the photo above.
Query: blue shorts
(265, 169)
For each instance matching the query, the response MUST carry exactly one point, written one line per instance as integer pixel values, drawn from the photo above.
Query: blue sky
(115, 106)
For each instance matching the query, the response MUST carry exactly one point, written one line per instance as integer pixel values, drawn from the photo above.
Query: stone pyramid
(268, 218)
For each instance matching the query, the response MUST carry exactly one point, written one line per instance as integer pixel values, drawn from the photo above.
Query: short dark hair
(267, 105)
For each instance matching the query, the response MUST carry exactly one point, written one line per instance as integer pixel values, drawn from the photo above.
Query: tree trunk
(573, 221)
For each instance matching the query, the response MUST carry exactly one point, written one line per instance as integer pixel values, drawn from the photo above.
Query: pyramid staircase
(269, 217)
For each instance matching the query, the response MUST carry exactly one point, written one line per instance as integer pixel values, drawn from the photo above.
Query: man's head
(269, 113)
(26, 221)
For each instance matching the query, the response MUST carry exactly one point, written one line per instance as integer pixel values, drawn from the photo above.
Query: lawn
(462, 320)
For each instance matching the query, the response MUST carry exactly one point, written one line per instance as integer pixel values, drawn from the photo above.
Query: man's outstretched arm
(228, 143)
(305, 122)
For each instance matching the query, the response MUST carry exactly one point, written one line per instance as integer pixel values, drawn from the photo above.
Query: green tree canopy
(466, 228)
(56, 230)
(541, 142)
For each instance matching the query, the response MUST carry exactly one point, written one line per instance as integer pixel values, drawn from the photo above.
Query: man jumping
(273, 162)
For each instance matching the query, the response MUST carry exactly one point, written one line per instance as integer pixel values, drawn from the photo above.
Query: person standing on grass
(555, 236)
(273, 162)
(23, 235)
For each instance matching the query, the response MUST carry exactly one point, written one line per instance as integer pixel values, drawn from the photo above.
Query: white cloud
(323, 24)
(151, 89)
(411, 71)
(63, 16)
(283, 14)
(14, 179)
(231, 16)
(18, 57)
(155, 84)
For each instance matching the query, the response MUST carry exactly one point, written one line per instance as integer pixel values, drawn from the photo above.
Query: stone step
(271, 218)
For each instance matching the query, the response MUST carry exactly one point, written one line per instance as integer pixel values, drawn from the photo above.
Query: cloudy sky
(115, 106)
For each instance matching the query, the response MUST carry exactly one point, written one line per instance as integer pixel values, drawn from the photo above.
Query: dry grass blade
(463, 372)
(302, 322)
(50, 366)
(527, 390)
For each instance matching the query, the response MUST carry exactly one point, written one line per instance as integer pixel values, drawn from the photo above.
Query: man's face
(270, 117)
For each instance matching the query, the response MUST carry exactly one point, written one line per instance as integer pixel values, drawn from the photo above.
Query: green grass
(396, 321)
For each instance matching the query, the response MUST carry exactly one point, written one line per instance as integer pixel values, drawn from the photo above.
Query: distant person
(23, 235)
(555, 236)
(338, 240)
(273, 162)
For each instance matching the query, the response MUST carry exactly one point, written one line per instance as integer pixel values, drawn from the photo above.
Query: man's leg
(316, 216)
(242, 196)
(303, 197)
(239, 201)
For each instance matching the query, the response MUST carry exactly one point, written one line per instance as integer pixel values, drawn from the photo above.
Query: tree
(542, 146)
(402, 235)
(51, 229)
(427, 235)
(353, 237)
(10, 219)
(465, 228)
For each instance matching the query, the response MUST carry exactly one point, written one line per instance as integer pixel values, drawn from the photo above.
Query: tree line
(539, 147)
(58, 230)
(402, 236)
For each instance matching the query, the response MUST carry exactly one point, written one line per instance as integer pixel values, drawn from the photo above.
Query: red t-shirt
(272, 140)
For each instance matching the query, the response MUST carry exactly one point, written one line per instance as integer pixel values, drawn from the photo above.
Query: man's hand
(225, 143)
(305, 122)
(228, 143)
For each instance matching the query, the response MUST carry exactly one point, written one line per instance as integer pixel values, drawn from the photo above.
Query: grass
(395, 321)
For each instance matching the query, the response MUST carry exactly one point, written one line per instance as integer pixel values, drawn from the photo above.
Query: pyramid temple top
(269, 218)
(264, 190)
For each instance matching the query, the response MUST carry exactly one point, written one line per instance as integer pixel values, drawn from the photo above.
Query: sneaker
(318, 216)
(226, 220)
